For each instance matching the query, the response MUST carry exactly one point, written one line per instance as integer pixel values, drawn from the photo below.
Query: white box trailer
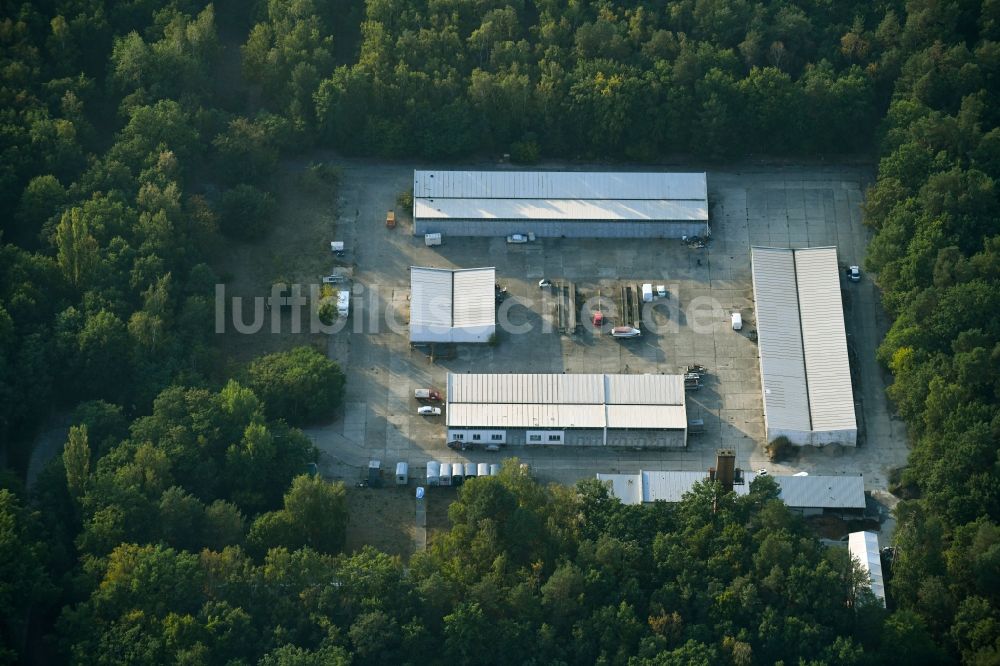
(647, 293)
(483, 469)
(445, 474)
(457, 473)
(470, 470)
(433, 473)
(494, 469)
(343, 302)
(402, 474)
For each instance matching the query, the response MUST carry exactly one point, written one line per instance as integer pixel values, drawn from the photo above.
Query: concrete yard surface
(774, 206)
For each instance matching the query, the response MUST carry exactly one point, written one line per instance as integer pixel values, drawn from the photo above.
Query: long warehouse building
(637, 411)
(808, 495)
(558, 204)
(804, 366)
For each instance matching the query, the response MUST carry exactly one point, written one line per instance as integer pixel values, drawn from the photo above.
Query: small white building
(452, 305)
(864, 549)
(802, 344)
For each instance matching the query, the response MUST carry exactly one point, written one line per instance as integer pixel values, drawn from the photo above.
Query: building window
(476, 437)
(534, 438)
(458, 436)
(496, 438)
(555, 438)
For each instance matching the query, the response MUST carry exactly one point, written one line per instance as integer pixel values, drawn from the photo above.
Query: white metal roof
(464, 415)
(560, 209)
(430, 299)
(863, 547)
(824, 339)
(529, 400)
(824, 492)
(805, 372)
(558, 185)
(799, 492)
(671, 486)
(526, 388)
(644, 389)
(658, 417)
(443, 299)
(626, 487)
(473, 297)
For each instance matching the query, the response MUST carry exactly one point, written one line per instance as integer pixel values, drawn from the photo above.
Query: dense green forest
(137, 137)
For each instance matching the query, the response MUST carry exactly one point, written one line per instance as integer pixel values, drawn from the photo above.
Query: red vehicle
(427, 395)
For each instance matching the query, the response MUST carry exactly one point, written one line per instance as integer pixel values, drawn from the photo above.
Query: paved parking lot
(780, 207)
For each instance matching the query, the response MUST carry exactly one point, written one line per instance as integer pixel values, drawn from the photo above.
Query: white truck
(647, 293)
(343, 303)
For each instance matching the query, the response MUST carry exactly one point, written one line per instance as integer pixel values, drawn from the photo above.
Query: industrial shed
(452, 305)
(809, 495)
(560, 204)
(804, 366)
(638, 411)
(863, 547)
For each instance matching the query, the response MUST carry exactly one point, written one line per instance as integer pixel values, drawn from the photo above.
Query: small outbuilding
(402, 474)
(452, 305)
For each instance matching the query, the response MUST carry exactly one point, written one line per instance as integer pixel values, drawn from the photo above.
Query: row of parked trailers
(452, 474)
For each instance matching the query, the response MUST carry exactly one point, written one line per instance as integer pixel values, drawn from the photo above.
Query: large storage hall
(804, 366)
(558, 204)
(635, 411)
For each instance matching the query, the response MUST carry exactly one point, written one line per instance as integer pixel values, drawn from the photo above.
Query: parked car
(459, 445)
(427, 410)
(544, 282)
(737, 321)
(517, 238)
(333, 279)
(661, 290)
(337, 247)
(854, 274)
(625, 332)
(492, 448)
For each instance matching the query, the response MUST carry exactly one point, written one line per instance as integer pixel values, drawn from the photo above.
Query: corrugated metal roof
(798, 492)
(515, 415)
(633, 401)
(824, 339)
(560, 209)
(671, 486)
(644, 389)
(473, 297)
(558, 185)
(527, 388)
(863, 547)
(442, 299)
(626, 487)
(805, 371)
(783, 370)
(647, 416)
(430, 300)
(824, 492)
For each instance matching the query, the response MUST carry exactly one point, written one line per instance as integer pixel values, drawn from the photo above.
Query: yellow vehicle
(390, 219)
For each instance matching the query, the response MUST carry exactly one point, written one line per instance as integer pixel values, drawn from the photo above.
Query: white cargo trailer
(445, 474)
(433, 473)
(402, 474)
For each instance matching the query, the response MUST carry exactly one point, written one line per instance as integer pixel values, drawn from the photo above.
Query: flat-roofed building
(802, 344)
(570, 204)
(637, 411)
